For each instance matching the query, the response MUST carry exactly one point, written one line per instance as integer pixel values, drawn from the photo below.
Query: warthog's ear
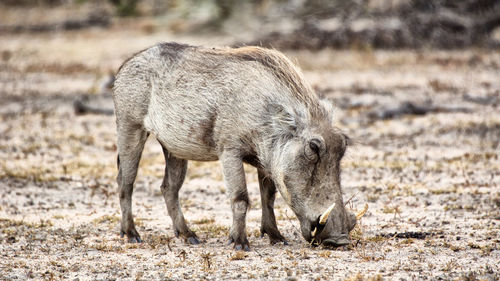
(328, 108)
(283, 120)
(348, 140)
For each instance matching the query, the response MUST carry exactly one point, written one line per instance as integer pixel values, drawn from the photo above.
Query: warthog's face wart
(307, 172)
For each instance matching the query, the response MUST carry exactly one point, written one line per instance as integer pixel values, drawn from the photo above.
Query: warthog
(244, 105)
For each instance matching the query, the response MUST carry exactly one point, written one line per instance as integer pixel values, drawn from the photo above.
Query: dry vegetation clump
(239, 255)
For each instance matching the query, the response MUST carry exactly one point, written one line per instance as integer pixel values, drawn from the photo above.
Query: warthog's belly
(182, 130)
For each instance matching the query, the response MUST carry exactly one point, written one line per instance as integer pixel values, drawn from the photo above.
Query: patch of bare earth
(431, 182)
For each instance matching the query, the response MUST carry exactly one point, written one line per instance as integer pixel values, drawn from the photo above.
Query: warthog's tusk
(324, 217)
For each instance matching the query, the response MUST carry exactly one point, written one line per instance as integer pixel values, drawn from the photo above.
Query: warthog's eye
(314, 145)
(312, 150)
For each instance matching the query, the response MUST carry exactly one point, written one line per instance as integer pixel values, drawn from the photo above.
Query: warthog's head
(306, 170)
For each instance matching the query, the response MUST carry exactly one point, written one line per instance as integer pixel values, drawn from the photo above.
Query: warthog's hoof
(132, 236)
(238, 246)
(273, 242)
(274, 236)
(193, 240)
(189, 237)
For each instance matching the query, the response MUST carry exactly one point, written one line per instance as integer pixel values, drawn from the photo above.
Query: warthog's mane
(279, 65)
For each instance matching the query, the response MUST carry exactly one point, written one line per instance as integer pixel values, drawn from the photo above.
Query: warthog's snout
(337, 240)
(329, 230)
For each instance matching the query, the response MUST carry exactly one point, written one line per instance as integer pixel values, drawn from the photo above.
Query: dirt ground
(431, 182)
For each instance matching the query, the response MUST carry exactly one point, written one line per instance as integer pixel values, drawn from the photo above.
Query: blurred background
(416, 84)
(94, 37)
(284, 24)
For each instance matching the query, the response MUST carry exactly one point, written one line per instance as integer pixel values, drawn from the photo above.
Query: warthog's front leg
(234, 178)
(268, 223)
(175, 172)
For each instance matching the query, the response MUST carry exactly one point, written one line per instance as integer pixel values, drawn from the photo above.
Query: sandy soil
(434, 179)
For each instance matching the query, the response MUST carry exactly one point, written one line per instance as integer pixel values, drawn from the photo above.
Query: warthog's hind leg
(268, 223)
(130, 145)
(175, 172)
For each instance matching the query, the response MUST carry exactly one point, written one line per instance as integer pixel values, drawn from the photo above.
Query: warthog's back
(197, 100)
